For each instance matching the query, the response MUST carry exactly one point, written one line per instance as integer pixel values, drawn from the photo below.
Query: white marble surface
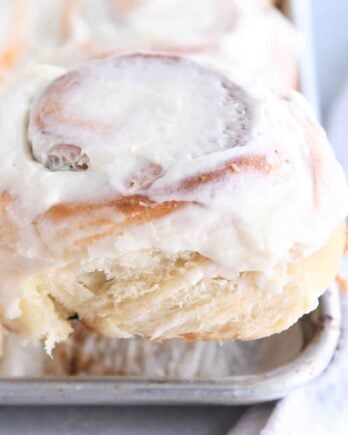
(331, 39)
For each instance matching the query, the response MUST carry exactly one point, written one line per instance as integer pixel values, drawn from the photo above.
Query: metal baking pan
(319, 332)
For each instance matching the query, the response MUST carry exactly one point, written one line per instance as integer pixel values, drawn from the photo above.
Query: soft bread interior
(157, 296)
(172, 200)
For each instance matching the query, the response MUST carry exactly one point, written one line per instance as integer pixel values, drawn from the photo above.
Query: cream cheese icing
(245, 221)
(242, 34)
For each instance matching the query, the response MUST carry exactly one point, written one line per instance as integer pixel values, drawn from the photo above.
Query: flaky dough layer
(150, 195)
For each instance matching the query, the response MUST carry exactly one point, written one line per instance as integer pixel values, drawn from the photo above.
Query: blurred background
(330, 48)
(330, 42)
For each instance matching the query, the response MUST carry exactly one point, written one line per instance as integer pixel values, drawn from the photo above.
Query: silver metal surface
(320, 329)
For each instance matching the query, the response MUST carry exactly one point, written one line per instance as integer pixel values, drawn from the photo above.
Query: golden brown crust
(257, 163)
(138, 209)
(101, 219)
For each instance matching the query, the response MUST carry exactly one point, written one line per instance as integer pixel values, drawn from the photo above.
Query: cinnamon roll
(154, 196)
(32, 31)
(240, 34)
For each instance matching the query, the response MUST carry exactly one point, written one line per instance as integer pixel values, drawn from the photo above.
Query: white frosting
(40, 30)
(180, 23)
(270, 45)
(246, 36)
(173, 115)
(161, 113)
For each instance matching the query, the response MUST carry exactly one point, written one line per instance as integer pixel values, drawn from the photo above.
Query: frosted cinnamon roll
(242, 34)
(34, 31)
(153, 196)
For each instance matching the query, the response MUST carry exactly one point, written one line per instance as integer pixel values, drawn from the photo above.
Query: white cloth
(320, 408)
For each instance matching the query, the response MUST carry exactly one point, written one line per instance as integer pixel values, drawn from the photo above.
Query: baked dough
(158, 197)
